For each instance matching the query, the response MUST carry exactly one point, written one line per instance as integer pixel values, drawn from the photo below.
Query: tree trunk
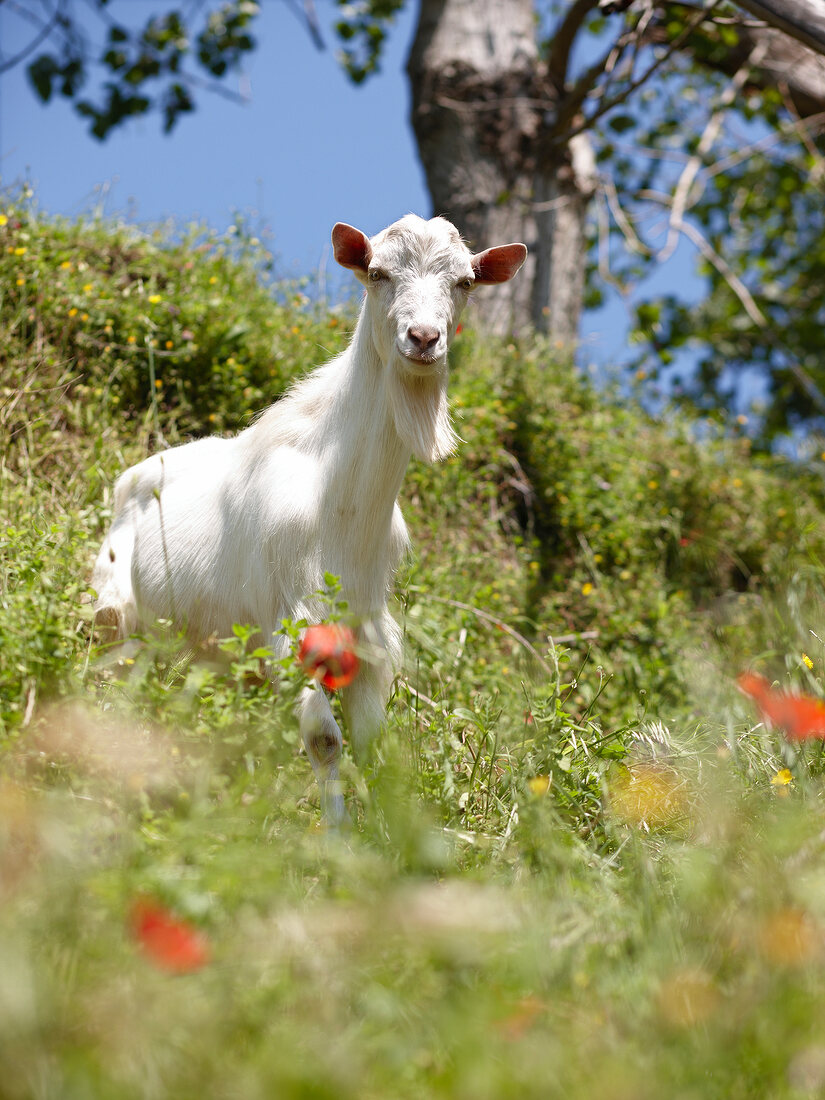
(483, 106)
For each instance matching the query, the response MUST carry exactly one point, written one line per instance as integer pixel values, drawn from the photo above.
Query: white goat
(222, 531)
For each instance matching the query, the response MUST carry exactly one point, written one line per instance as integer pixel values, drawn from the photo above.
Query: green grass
(568, 871)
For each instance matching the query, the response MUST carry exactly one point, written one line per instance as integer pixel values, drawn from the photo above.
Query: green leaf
(620, 124)
(42, 72)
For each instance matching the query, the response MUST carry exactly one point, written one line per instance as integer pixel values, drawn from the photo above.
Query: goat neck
(363, 454)
(413, 404)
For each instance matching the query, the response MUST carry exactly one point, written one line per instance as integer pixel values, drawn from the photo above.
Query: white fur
(242, 530)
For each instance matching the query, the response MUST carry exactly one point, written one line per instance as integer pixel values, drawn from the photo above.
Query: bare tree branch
(709, 135)
(575, 95)
(753, 311)
(803, 130)
(812, 122)
(786, 59)
(803, 20)
(214, 87)
(607, 203)
(564, 38)
(728, 274)
(306, 14)
(41, 36)
(633, 240)
(673, 47)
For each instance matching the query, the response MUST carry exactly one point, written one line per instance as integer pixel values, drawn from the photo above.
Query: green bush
(122, 322)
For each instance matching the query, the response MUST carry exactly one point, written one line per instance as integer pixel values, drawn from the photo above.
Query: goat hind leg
(322, 741)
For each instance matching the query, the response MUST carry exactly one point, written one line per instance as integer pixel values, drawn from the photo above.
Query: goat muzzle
(422, 344)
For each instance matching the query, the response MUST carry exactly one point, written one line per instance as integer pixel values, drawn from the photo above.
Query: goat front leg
(322, 741)
(364, 703)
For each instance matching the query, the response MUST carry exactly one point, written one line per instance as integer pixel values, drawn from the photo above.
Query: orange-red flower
(327, 653)
(799, 716)
(171, 943)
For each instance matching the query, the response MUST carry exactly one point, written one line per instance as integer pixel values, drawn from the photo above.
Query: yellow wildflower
(789, 937)
(687, 998)
(73, 311)
(782, 778)
(648, 795)
(806, 660)
(3, 219)
(539, 784)
(20, 250)
(154, 299)
(587, 588)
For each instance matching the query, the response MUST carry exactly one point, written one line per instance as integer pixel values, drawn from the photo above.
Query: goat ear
(497, 265)
(352, 249)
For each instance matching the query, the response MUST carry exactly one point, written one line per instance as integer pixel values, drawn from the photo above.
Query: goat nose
(423, 337)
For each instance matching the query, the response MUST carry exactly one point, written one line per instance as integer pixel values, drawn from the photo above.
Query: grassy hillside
(578, 867)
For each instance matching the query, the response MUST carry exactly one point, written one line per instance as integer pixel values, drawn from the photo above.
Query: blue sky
(307, 150)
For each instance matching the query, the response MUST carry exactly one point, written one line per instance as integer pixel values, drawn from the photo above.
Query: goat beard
(422, 419)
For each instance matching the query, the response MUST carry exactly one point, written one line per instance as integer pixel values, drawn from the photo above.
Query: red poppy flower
(327, 653)
(800, 716)
(172, 944)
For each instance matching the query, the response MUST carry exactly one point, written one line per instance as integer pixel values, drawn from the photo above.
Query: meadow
(580, 864)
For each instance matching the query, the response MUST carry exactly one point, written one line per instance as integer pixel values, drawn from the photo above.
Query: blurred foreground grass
(577, 867)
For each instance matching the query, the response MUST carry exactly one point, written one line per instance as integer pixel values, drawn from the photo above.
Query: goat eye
(375, 276)
(467, 284)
